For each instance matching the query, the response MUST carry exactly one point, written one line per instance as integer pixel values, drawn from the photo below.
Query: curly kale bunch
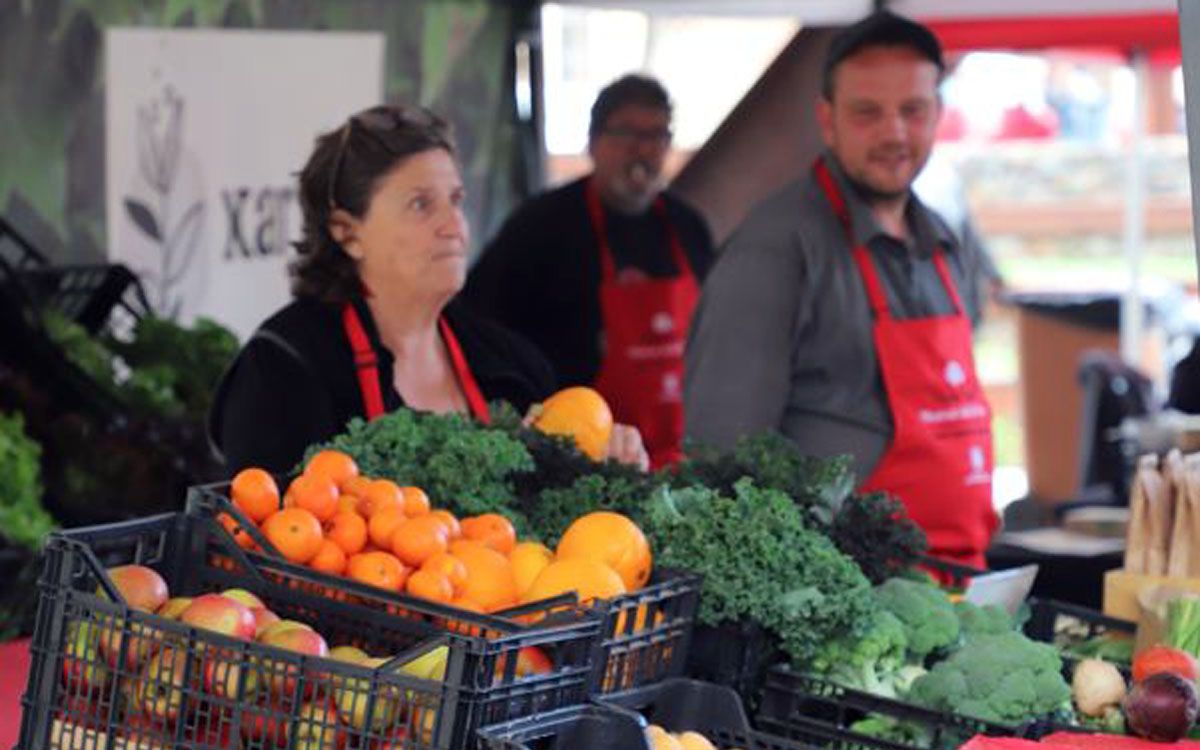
(23, 520)
(876, 530)
(760, 561)
(464, 466)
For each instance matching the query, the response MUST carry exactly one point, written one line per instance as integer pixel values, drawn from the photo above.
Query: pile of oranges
(374, 531)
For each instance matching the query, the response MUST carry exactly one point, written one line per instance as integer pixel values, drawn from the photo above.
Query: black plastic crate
(814, 710)
(618, 722)
(646, 633)
(737, 655)
(105, 671)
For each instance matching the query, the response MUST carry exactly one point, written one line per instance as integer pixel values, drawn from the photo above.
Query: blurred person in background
(602, 274)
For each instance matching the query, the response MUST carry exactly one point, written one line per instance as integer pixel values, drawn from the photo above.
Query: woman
(374, 325)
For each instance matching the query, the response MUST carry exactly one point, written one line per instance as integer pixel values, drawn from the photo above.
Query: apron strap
(466, 380)
(608, 268)
(939, 262)
(365, 362)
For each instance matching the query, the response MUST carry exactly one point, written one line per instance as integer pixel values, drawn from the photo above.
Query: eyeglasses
(656, 137)
(375, 122)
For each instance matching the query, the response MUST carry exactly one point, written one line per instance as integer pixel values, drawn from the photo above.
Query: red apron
(939, 462)
(645, 329)
(367, 365)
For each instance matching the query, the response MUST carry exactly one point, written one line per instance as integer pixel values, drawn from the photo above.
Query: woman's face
(413, 238)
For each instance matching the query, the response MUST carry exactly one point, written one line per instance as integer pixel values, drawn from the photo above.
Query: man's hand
(625, 445)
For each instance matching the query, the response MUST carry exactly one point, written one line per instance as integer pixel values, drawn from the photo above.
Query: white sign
(206, 130)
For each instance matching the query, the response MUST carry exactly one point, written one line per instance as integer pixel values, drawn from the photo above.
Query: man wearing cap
(840, 312)
(603, 273)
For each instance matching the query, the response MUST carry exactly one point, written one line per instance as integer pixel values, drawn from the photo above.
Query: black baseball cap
(880, 29)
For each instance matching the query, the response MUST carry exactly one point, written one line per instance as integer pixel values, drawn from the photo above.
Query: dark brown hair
(343, 171)
(639, 90)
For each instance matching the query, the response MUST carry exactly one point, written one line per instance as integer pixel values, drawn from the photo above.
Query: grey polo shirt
(782, 337)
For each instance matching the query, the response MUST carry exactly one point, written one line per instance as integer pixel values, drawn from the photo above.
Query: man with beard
(602, 274)
(840, 311)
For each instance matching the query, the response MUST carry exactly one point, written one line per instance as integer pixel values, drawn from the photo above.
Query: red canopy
(1155, 33)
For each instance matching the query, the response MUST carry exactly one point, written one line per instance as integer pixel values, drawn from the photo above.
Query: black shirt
(540, 275)
(294, 383)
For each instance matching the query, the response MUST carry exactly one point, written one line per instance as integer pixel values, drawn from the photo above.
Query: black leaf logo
(144, 219)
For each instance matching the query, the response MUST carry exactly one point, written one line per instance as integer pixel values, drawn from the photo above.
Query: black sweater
(295, 383)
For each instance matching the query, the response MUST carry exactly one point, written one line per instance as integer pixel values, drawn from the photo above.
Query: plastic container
(103, 671)
(733, 654)
(618, 722)
(647, 632)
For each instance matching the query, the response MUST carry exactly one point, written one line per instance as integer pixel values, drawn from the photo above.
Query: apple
(301, 641)
(223, 670)
(348, 654)
(263, 618)
(173, 607)
(138, 648)
(160, 688)
(391, 740)
(142, 588)
(220, 614)
(363, 708)
(316, 728)
(265, 726)
(270, 631)
(532, 660)
(245, 597)
(421, 723)
(83, 669)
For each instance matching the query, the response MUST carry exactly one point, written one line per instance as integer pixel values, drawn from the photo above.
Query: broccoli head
(869, 662)
(1003, 678)
(928, 616)
(990, 619)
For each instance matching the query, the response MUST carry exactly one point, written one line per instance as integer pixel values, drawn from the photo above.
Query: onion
(1161, 707)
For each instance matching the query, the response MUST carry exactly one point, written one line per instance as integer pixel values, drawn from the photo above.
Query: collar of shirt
(925, 230)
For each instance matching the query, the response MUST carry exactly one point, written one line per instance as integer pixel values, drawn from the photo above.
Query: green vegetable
(1183, 624)
(907, 733)
(974, 620)
(876, 531)
(1111, 647)
(23, 520)
(929, 618)
(870, 662)
(760, 561)
(1005, 678)
(464, 466)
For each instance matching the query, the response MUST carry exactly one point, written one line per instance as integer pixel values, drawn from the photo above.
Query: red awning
(1155, 33)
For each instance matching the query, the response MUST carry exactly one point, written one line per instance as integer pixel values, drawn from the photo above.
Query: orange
(492, 529)
(244, 540)
(355, 485)
(295, 532)
(612, 539)
(580, 413)
(448, 519)
(381, 494)
(458, 545)
(589, 579)
(528, 559)
(315, 493)
(255, 493)
(416, 502)
(347, 530)
(330, 558)
(416, 540)
(449, 566)
(382, 525)
(332, 464)
(348, 503)
(461, 626)
(431, 585)
(381, 569)
(489, 578)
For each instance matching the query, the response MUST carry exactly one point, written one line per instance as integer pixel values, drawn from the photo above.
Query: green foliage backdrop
(451, 55)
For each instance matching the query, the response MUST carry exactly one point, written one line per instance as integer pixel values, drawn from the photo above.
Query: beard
(873, 195)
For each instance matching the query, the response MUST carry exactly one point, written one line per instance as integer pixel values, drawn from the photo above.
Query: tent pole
(1132, 310)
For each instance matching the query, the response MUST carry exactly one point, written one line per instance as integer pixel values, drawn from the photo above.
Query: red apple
(391, 740)
(224, 669)
(283, 675)
(265, 726)
(220, 614)
(173, 607)
(356, 701)
(245, 597)
(160, 688)
(263, 619)
(142, 588)
(532, 660)
(280, 626)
